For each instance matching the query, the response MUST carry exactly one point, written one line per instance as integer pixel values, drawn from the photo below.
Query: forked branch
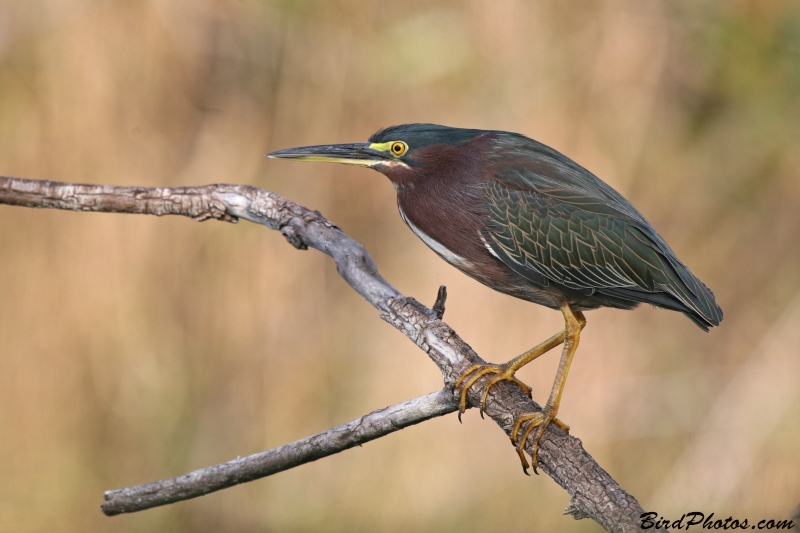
(594, 494)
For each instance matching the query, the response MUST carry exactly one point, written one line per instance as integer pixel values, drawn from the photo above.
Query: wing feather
(587, 245)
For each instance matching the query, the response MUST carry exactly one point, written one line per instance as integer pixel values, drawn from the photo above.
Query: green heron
(527, 221)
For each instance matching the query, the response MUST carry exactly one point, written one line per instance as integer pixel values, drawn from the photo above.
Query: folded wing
(556, 222)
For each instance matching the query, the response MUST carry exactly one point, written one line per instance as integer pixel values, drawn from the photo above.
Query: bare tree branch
(201, 482)
(594, 494)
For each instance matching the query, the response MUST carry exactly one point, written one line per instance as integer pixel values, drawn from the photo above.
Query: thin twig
(594, 494)
(441, 298)
(201, 482)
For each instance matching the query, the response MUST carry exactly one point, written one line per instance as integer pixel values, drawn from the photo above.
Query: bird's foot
(534, 423)
(474, 373)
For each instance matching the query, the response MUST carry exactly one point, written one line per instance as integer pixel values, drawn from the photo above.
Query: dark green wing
(556, 222)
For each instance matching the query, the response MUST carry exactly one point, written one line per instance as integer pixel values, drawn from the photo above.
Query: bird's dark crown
(422, 135)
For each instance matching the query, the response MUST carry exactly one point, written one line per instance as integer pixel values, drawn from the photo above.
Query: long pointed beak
(360, 154)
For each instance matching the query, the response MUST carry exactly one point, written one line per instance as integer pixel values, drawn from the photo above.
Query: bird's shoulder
(524, 164)
(536, 172)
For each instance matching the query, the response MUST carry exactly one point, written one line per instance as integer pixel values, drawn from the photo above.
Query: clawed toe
(468, 379)
(535, 423)
(476, 372)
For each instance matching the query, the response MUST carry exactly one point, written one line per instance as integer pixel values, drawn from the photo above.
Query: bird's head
(405, 153)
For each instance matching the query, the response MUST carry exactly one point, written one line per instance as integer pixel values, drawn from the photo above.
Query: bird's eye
(399, 148)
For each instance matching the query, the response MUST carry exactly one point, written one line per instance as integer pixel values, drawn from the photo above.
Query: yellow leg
(505, 372)
(538, 422)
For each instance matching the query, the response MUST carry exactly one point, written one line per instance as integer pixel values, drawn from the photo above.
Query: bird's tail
(697, 299)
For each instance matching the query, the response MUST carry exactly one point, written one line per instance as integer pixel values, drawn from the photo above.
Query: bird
(529, 222)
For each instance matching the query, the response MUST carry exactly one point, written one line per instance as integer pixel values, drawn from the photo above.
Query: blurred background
(135, 348)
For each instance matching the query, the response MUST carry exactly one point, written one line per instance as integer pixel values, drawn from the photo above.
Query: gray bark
(594, 494)
(241, 470)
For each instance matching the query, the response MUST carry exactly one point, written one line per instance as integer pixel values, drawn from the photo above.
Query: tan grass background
(135, 348)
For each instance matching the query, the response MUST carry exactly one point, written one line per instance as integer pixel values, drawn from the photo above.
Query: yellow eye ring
(398, 148)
